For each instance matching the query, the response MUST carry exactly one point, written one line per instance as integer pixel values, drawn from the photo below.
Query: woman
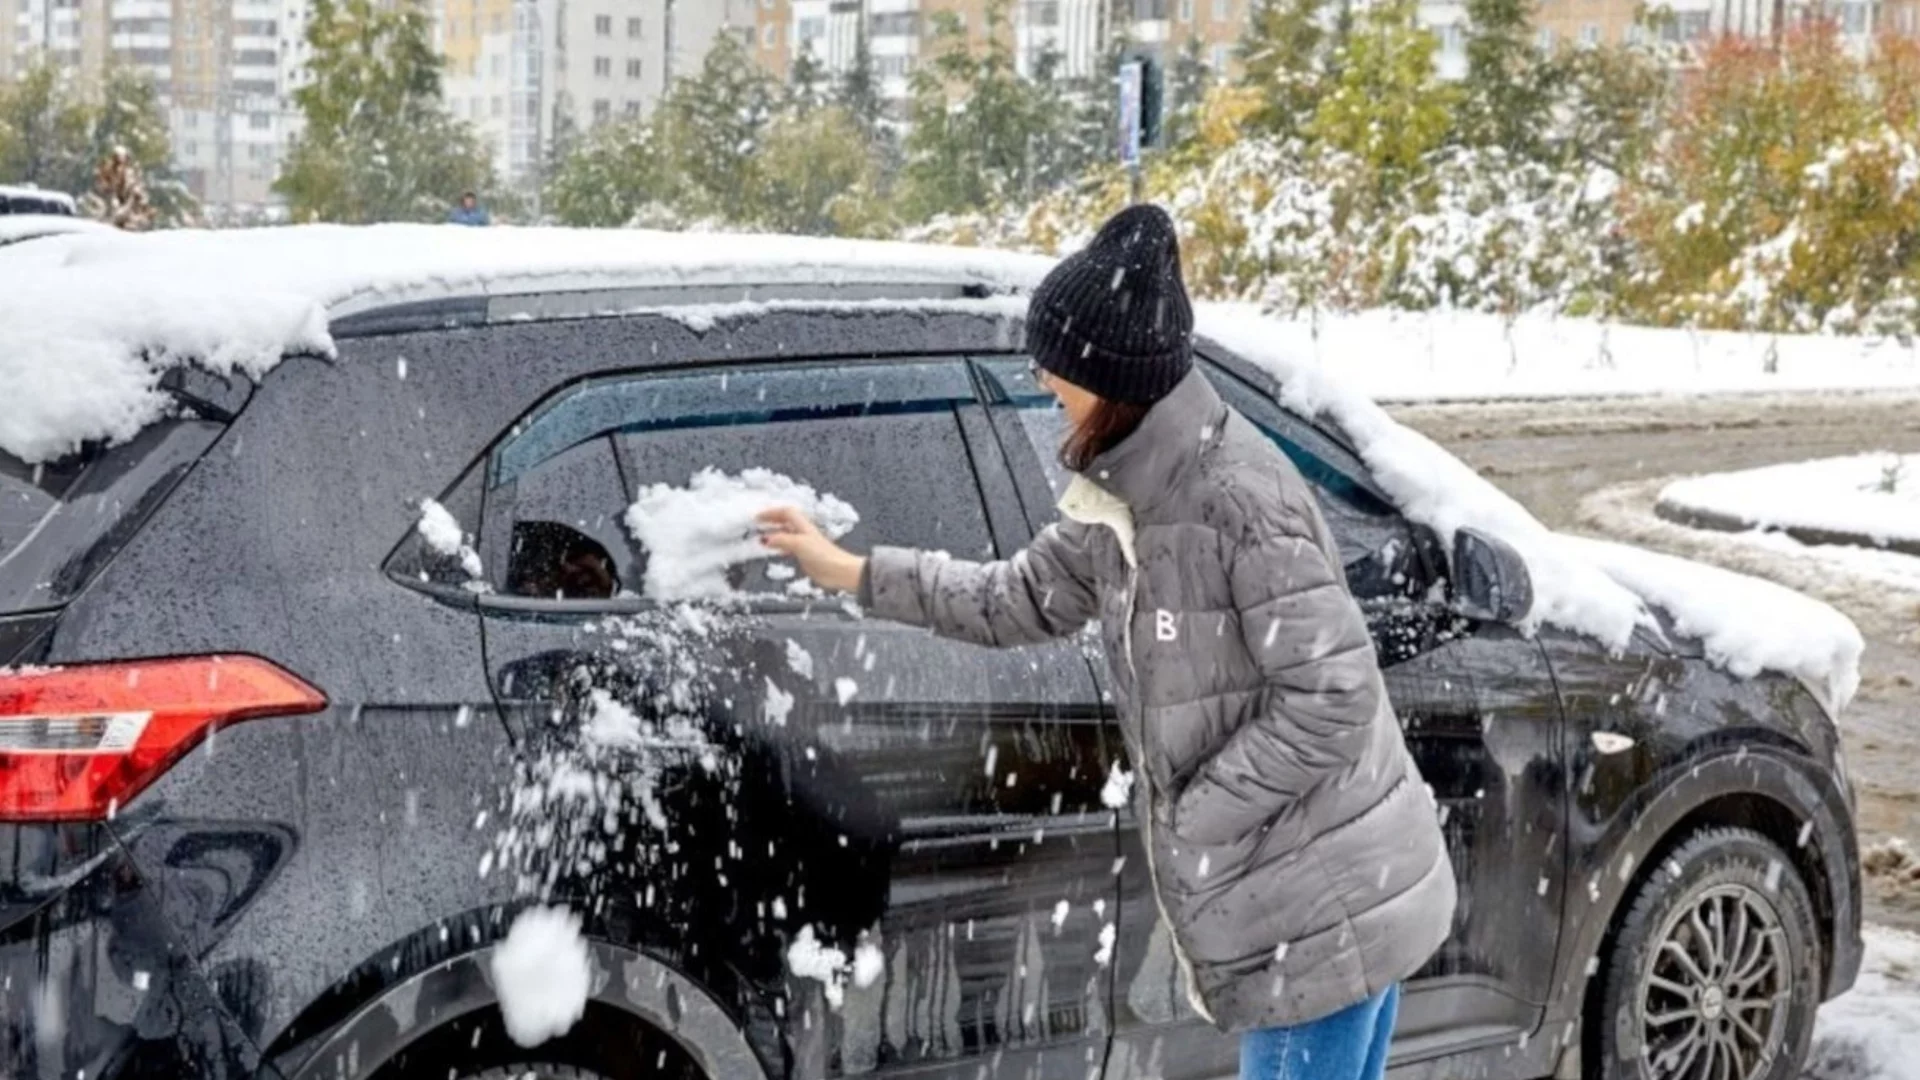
(1295, 852)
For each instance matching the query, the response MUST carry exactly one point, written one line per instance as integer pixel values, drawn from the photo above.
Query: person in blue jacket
(469, 212)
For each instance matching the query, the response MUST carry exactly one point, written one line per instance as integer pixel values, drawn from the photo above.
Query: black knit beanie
(1114, 318)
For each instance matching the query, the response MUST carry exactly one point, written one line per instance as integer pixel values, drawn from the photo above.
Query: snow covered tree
(807, 83)
(379, 144)
(608, 178)
(1283, 59)
(709, 128)
(817, 176)
(55, 137)
(976, 149)
(858, 92)
(1186, 93)
(1387, 108)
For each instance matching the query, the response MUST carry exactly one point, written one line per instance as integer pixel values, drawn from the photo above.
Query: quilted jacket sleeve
(1046, 591)
(1323, 689)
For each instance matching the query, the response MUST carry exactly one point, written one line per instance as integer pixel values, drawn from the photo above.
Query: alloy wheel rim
(1714, 994)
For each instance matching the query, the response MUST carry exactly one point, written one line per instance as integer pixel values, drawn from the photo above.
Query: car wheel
(1714, 971)
(533, 1070)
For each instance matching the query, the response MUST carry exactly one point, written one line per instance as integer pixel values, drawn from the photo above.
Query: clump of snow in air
(1118, 788)
(807, 958)
(1875, 497)
(1601, 590)
(799, 660)
(1104, 955)
(89, 322)
(443, 536)
(542, 975)
(1869, 1031)
(868, 965)
(694, 534)
(1611, 742)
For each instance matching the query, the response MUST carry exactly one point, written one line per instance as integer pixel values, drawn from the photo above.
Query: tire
(1720, 945)
(532, 1071)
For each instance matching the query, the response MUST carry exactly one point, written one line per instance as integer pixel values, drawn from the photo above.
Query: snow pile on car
(694, 534)
(88, 323)
(1599, 590)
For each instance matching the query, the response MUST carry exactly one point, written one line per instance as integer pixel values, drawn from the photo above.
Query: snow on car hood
(88, 323)
(1598, 589)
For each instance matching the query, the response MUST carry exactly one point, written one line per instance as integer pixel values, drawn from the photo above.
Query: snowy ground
(1873, 1032)
(1863, 500)
(1455, 356)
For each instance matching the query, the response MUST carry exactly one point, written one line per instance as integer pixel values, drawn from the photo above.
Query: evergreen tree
(1507, 86)
(709, 128)
(1186, 91)
(807, 82)
(859, 92)
(379, 145)
(1284, 58)
(975, 155)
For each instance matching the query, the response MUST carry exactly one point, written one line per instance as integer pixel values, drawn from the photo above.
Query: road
(1596, 467)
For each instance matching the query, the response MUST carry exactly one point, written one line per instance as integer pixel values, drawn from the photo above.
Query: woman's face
(1078, 403)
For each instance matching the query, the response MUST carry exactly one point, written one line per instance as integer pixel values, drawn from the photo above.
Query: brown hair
(1106, 427)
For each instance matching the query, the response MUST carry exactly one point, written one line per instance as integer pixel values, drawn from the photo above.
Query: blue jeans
(1349, 1045)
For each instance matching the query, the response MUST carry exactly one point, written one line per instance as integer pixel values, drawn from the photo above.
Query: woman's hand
(826, 564)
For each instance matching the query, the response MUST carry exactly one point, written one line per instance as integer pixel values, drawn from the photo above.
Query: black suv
(260, 741)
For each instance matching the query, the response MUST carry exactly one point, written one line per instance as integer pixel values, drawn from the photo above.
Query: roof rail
(549, 305)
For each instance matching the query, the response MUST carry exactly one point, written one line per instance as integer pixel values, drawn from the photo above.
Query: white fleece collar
(1090, 504)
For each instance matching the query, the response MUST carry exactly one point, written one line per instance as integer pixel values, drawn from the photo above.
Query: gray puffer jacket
(1295, 851)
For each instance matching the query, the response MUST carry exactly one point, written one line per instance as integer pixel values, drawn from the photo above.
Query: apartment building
(524, 71)
(221, 68)
(1075, 33)
(1617, 22)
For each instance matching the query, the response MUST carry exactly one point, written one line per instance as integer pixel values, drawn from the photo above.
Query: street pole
(666, 36)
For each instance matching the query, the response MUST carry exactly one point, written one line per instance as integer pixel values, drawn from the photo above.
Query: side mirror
(1490, 579)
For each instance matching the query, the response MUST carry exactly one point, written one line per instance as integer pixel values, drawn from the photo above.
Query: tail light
(78, 742)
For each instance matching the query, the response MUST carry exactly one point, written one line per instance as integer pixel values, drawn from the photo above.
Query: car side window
(883, 437)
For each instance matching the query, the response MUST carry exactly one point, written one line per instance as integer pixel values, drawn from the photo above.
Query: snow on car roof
(1597, 589)
(88, 323)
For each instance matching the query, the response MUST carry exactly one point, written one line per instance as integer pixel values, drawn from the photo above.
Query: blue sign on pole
(1132, 77)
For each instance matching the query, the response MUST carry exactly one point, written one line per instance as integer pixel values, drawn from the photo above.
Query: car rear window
(62, 521)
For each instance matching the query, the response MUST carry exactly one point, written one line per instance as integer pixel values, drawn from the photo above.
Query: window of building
(1855, 18)
(1222, 10)
(497, 66)
(767, 36)
(631, 109)
(603, 66)
(811, 29)
(1043, 13)
(498, 106)
(1222, 56)
(259, 121)
(1545, 37)
(602, 109)
(603, 25)
(1590, 34)
(633, 29)
(1186, 10)
(498, 24)
(896, 24)
(633, 69)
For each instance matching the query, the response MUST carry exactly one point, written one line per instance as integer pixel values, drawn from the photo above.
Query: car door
(1480, 716)
(809, 780)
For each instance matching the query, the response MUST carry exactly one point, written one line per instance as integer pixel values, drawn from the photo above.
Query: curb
(1694, 517)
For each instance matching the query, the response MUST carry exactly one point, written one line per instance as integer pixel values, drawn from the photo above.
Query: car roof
(17, 227)
(18, 191)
